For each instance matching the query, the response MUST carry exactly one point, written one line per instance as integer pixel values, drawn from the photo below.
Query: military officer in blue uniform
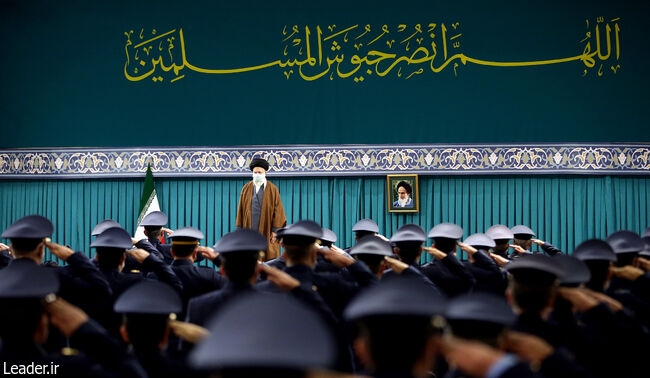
(364, 227)
(407, 242)
(489, 276)
(378, 255)
(446, 271)
(326, 241)
(501, 235)
(301, 254)
(629, 283)
(240, 254)
(523, 240)
(150, 309)
(398, 327)
(484, 318)
(596, 324)
(373, 251)
(111, 250)
(29, 305)
(81, 282)
(266, 335)
(103, 226)
(197, 280)
(130, 264)
(153, 224)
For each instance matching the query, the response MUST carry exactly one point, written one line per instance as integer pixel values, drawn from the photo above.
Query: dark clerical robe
(271, 213)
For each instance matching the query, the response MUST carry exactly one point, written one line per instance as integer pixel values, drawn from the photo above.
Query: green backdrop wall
(564, 210)
(64, 65)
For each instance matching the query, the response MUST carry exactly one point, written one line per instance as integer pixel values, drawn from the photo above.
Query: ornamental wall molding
(327, 160)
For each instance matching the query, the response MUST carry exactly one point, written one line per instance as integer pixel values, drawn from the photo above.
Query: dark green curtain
(564, 210)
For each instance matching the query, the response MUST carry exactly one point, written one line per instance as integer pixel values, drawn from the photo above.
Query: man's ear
(314, 254)
(165, 339)
(171, 250)
(509, 296)
(382, 267)
(124, 334)
(396, 251)
(122, 261)
(430, 351)
(361, 351)
(41, 251)
(41, 333)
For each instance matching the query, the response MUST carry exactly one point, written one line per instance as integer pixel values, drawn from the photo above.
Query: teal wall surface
(564, 210)
(64, 66)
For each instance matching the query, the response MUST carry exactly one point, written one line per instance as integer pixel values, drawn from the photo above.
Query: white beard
(403, 203)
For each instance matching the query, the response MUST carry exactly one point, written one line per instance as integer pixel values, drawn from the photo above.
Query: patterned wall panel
(432, 159)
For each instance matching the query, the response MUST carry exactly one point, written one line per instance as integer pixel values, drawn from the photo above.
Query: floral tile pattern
(431, 159)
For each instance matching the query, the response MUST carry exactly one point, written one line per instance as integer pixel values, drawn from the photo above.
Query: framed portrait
(403, 194)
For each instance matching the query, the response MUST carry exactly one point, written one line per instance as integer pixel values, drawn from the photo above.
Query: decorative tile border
(320, 160)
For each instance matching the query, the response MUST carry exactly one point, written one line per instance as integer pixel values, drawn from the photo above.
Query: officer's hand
(472, 357)
(382, 237)
(66, 317)
(279, 278)
(337, 249)
(581, 302)
(167, 231)
(3, 247)
(138, 254)
(467, 248)
(517, 248)
(537, 241)
(58, 250)
(602, 298)
(627, 272)
(207, 252)
(500, 260)
(527, 347)
(643, 263)
(435, 252)
(340, 259)
(396, 265)
(189, 332)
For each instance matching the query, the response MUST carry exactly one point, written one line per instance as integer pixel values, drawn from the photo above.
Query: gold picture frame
(396, 182)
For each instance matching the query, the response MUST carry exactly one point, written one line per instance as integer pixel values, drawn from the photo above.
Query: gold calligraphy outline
(587, 57)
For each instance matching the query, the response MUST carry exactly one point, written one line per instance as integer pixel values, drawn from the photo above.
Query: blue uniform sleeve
(95, 342)
(82, 275)
(163, 272)
(550, 249)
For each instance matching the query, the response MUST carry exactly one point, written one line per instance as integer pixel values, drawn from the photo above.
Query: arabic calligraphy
(360, 52)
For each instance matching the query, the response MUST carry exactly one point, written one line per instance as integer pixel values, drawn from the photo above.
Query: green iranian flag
(148, 202)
